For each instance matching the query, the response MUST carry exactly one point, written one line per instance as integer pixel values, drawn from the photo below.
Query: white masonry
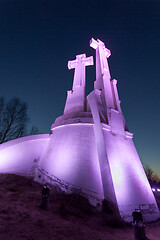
(90, 149)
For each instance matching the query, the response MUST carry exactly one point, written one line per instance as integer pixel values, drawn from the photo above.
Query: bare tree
(13, 119)
(33, 131)
(153, 178)
(148, 171)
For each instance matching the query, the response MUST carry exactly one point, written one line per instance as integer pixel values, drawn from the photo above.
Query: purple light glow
(75, 163)
(21, 155)
(90, 148)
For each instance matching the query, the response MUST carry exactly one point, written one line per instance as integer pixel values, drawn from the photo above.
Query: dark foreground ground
(69, 217)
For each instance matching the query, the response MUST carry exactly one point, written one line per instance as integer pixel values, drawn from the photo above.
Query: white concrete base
(71, 162)
(21, 156)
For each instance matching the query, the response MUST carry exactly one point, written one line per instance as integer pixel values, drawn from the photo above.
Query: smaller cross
(79, 64)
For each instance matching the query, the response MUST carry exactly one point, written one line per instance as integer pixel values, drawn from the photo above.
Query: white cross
(102, 53)
(79, 64)
(94, 44)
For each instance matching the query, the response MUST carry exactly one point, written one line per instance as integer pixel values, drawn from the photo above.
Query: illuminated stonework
(76, 97)
(90, 149)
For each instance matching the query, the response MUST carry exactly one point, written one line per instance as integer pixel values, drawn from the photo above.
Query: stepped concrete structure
(90, 149)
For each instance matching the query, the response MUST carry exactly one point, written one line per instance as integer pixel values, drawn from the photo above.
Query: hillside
(69, 217)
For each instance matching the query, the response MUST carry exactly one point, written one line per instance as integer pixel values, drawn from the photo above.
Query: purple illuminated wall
(90, 149)
(21, 156)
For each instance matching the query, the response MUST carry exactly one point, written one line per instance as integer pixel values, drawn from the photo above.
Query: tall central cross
(102, 72)
(102, 53)
(94, 44)
(79, 64)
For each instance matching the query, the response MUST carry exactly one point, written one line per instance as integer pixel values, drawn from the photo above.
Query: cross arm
(80, 59)
(94, 44)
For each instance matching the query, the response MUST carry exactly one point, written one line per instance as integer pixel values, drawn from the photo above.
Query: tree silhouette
(13, 120)
(148, 171)
(152, 177)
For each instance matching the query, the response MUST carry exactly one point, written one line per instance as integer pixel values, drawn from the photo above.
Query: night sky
(38, 37)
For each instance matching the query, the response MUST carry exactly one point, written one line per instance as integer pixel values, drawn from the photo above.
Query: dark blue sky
(38, 37)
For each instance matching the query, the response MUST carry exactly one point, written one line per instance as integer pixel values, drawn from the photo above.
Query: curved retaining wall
(21, 156)
(71, 159)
